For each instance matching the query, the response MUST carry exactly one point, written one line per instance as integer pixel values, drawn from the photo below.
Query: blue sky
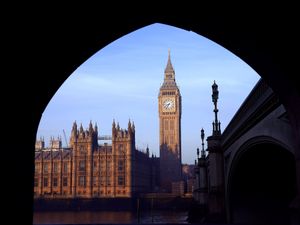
(122, 81)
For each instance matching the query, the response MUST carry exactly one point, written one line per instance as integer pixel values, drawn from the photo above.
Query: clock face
(168, 104)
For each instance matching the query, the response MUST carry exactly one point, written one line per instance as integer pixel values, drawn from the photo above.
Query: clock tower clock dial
(168, 104)
(169, 107)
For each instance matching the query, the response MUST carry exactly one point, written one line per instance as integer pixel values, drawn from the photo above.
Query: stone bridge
(249, 174)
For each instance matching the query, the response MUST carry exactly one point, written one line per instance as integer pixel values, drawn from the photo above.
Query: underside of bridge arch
(262, 185)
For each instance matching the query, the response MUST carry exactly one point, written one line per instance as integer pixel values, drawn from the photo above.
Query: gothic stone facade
(89, 170)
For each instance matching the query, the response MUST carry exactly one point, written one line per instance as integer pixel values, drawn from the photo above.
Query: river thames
(109, 217)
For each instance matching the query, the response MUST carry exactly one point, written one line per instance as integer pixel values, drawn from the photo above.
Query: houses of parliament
(88, 169)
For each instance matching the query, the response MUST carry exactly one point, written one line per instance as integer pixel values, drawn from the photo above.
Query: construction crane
(65, 138)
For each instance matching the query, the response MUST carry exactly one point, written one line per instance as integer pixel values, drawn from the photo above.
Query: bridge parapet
(258, 103)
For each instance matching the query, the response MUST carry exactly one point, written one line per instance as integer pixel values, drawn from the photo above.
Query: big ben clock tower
(169, 107)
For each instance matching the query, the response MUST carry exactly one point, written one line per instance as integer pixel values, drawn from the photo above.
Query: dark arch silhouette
(44, 46)
(262, 184)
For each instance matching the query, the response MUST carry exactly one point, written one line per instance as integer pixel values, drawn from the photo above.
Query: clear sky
(122, 81)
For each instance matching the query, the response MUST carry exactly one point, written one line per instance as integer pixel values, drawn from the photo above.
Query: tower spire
(74, 129)
(169, 71)
(96, 127)
(91, 129)
(129, 126)
(81, 128)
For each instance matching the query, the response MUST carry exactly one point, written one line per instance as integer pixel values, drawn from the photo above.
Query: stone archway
(59, 42)
(262, 184)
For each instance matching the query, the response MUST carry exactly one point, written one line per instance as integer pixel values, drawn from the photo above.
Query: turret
(91, 129)
(129, 126)
(55, 143)
(118, 133)
(96, 129)
(74, 133)
(129, 123)
(89, 135)
(39, 144)
(113, 129)
(74, 128)
(81, 129)
(133, 127)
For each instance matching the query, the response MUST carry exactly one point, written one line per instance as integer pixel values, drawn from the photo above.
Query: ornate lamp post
(216, 206)
(215, 96)
(202, 138)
